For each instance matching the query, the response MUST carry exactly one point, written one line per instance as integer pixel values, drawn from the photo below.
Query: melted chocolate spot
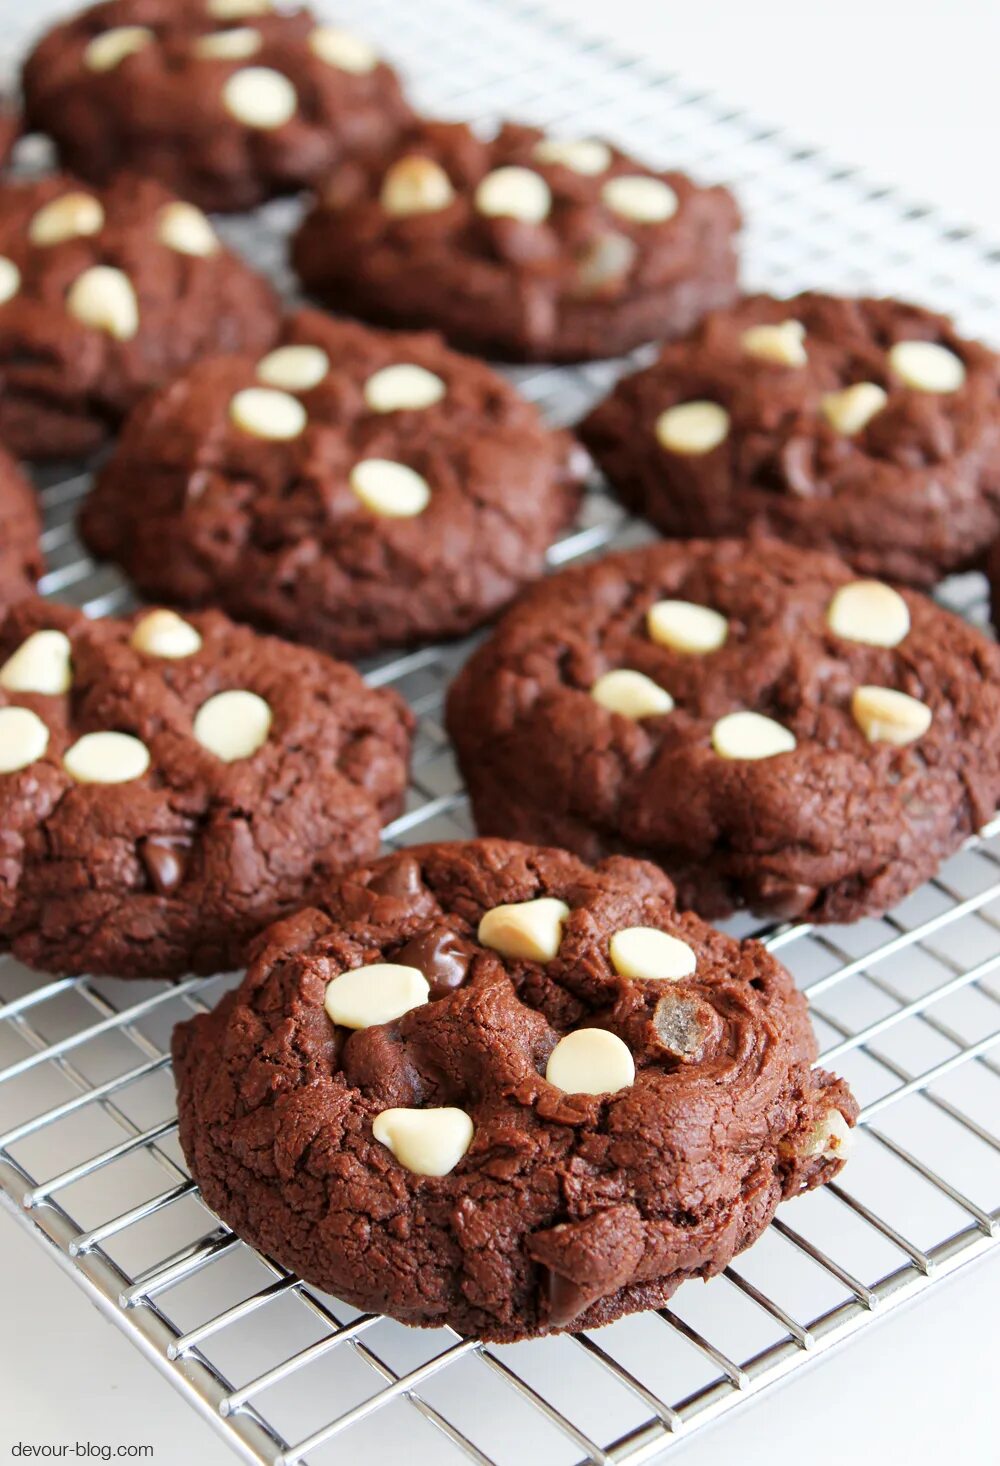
(567, 1300)
(164, 857)
(441, 955)
(782, 900)
(401, 880)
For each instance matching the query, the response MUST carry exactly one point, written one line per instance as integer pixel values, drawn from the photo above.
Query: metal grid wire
(906, 1007)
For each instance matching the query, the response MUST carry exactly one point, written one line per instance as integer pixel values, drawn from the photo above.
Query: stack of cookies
(515, 1084)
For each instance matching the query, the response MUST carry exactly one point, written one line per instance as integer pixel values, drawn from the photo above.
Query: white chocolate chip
(415, 185)
(266, 413)
(643, 200)
(645, 951)
(403, 388)
(851, 410)
(887, 716)
(294, 368)
(782, 344)
(106, 758)
(259, 97)
(427, 1142)
(514, 193)
(832, 1138)
(685, 627)
(109, 49)
(632, 694)
(183, 227)
(692, 427)
(237, 9)
(40, 664)
(70, 216)
(869, 612)
(233, 725)
(10, 279)
(586, 155)
(389, 489)
(23, 739)
(163, 633)
(590, 1061)
(750, 736)
(103, 297)
(527, 930)
(342, 49)
(927, 366)
(374, 994)
(234, 45)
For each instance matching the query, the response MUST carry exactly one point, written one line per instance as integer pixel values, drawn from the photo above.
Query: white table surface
(908, 89)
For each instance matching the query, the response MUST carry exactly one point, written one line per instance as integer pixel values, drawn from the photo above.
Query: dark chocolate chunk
(165, 861)
(441, 955)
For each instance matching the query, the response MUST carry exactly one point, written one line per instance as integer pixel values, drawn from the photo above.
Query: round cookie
(229, 102)
(21, 561)
(104, 294)
(864, 427)
(774, 732)
(521, 246)
(571, 1100)
(353, 489)
(169, 786)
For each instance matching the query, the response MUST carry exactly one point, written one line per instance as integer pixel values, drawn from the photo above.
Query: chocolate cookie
(865, 427)
(21, 560)
(489, 1087)
(523, 246)
(229, 102)
(168, 787)
(103, 295)
(772, 731)
(353, 489)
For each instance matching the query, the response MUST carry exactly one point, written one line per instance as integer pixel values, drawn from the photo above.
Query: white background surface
(907, 88)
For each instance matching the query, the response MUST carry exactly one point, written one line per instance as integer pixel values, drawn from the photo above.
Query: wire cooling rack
(907, 1007)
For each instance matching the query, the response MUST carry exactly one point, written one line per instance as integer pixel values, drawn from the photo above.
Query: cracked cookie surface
(545, 1205)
